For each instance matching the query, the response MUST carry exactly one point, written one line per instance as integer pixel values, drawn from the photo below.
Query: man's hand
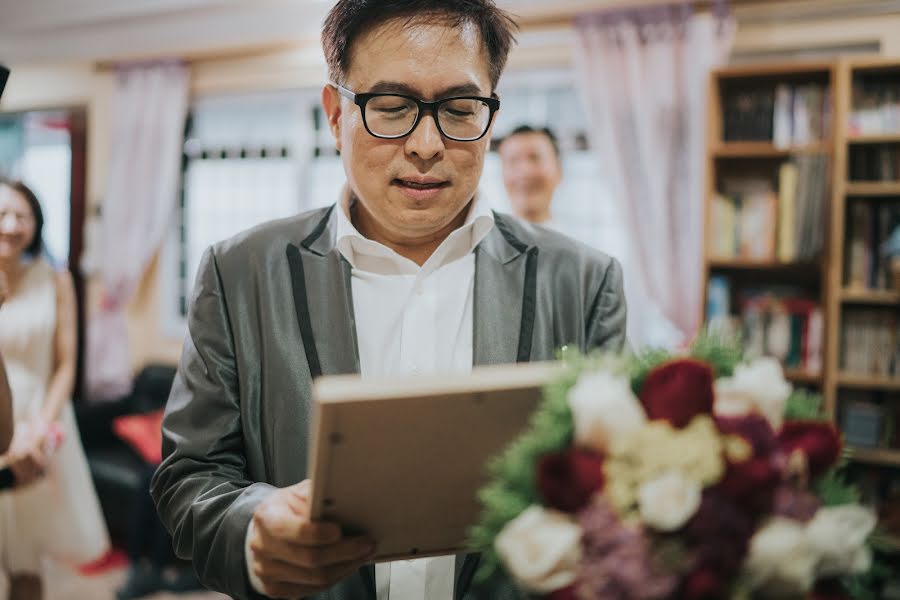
(294, 557)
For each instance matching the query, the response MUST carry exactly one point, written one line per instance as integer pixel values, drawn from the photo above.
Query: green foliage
(834, 490)
(803, 405)
(721, 351)
(512, 475)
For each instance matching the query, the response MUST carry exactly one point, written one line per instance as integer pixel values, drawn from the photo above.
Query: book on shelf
(786, 114)
(780, 322)
(751, 219)
(869, 343)
(875, 106)
(866, 418)
(747, 114)
(869, 225)
(874, 162)
(802, 114)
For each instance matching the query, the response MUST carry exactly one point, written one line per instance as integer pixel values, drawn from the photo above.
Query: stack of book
(869, 343)
(748, 115)
(780, 322)
(801, 115)
(876, 108)
(869, 225)
(751, 219)
(785, 114)
(875, 163)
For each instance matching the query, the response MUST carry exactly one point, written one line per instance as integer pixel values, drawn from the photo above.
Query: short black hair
(36, 245)
(349, 19)
(545, 131)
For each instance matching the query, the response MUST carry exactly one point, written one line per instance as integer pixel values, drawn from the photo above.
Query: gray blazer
(272, 309)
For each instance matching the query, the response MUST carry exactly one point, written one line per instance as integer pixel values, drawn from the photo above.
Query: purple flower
(617, 561)
(796, 504)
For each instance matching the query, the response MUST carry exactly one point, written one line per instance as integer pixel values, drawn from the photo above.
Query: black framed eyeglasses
(392, 116)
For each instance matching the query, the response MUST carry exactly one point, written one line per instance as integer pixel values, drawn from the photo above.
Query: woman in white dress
(52, 511)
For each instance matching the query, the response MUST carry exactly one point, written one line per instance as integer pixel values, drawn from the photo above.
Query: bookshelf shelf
(873, 188)
(869, 382)
(765, 150)
(888, 138)
(749, 264)
(876, 456)
(803, 376)
(881, 297)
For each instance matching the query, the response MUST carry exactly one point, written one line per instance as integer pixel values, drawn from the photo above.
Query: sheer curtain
(644, 76)
(149, 110)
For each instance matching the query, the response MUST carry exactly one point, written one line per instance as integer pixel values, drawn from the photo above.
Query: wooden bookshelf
(868, 382)
(803, 377)
(872, 188)
(823, 278)
(889, 138)
(849, 193)
(874, 297)
(875, 456)
(727, 157)
(766, 150)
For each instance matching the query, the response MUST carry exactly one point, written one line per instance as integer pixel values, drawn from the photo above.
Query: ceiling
(33, 31)
(103, 30)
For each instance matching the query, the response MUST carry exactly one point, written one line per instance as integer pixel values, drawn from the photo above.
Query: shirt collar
(363, 253)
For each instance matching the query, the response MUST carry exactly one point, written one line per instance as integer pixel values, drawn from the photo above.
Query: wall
(548, 45)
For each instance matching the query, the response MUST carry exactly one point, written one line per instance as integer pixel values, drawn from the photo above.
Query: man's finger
(277, 575)
(299, 555)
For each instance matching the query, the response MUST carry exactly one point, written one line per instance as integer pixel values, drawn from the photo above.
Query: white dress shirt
(412, 320)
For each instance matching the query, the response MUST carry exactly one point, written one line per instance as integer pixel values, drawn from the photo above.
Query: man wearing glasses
(408, 273)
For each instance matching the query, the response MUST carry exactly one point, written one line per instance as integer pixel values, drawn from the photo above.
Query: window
(244, 161)
(36, 148)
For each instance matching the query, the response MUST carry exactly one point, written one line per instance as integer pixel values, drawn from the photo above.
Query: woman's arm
(62, 382)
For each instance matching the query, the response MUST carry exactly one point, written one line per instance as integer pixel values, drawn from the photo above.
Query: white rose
(668, 501)
(540, 548)
(603, 406)
(780, 562)
(756, 387)
(838, 534)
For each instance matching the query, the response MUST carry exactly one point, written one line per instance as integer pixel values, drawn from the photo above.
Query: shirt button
(419, 290)
(415, 370)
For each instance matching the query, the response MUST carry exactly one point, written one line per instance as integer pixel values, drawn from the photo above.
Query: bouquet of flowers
(663, 476)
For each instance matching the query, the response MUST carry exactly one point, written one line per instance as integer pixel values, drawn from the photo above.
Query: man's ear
(331, 102)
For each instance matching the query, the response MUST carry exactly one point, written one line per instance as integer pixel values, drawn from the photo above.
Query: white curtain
(644, 76)
(149, 106)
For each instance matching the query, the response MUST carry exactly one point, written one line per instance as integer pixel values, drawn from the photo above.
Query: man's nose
(425, 141)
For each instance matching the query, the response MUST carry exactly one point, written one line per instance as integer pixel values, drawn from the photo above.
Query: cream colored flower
(838, 535)
(780, 562)
(756, 387)
(668, 501)
(540, 548)
(655, 449)
(603, 407)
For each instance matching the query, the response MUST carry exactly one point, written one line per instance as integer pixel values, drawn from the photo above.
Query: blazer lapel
(505, 298)
(323, 300)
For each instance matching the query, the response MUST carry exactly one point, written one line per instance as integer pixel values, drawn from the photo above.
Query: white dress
(59, 516)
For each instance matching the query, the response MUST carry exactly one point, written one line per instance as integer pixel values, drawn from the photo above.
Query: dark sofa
(118, 471)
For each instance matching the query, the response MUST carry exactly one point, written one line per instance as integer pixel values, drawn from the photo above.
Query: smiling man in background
(408, 273)
(532, 170)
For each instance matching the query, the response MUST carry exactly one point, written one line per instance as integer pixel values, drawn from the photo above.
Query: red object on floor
(114, 559)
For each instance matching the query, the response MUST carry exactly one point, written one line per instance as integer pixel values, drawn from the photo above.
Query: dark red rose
(567, 480)
(566, 593)
(817, 440)
(703, 584)
(754, 429)
(678, 391)
(751, 484)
